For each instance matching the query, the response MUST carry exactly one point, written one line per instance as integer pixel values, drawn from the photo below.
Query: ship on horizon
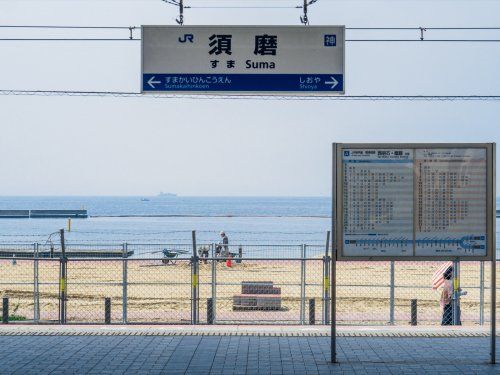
(166, 195)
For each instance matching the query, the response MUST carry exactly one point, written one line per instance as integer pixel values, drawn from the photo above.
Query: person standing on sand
(446, 298)
(225, 244)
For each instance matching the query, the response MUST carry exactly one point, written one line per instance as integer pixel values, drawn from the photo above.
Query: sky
(66, 145)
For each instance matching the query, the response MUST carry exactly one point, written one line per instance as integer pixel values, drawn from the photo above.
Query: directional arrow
(333, 82)
(152, 82)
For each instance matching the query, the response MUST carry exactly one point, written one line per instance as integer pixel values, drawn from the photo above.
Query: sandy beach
(161, 293)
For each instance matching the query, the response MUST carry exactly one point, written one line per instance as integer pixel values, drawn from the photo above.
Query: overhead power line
(422, 35)
(254, 97)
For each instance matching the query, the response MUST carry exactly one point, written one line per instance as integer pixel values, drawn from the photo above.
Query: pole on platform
(391, 295)
(456, 292)
(333, 285)
(326, 281)
(62, 281)
(493, 309)
(481, 293)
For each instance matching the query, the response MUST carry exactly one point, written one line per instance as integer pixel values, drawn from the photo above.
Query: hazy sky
(121, 146)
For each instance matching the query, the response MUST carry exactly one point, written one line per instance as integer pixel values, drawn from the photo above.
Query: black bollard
(5, 311)
(240, 254)
(312, 311)
(107, 310)
(414, 314)
(210, 311)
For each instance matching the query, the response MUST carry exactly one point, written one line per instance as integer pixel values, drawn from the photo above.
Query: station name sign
(243, 59)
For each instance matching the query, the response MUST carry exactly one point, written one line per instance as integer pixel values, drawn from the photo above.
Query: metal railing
(241, 284)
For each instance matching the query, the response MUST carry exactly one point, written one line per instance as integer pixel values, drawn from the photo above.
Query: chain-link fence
(233, 284)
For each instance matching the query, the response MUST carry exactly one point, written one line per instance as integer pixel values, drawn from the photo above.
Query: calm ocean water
(119, 219)
(271, 220)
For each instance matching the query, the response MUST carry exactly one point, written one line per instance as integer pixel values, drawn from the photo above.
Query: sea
(171, 219)
(159, 219)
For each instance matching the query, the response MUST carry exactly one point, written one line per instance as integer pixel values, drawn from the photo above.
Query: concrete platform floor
(229, 350)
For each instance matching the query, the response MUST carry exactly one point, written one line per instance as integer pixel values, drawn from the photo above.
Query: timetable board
(413, 201)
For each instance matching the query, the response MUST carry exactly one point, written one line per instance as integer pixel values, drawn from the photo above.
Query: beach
(161, 293)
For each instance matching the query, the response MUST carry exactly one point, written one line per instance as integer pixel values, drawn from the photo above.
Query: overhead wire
(131, 29)
(254, 97)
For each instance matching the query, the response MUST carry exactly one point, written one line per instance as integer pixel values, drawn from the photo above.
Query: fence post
(214, 286)
(5, 310)
(36, 287)
(124, 283)
(391, 295)
(194, 282)
(302, 284)
(107, 310)
(481, 292)
(62, 280)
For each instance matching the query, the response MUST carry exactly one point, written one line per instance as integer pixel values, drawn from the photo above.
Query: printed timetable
(405, 202)
(450, 202)
(378, 202)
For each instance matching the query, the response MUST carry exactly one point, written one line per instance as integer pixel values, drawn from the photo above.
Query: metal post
(36, 286)
(214, 286)
(326, 281)
(5, 310)
(107, 310)
(414, 312)
(124, 283)
(391, 295)
(493, 308)
(312, 311)
(194, 281)
(333, 346)
(492, 251)
(302, 284)
(456, 293)
(62, 281)
(333, 280)
(481, 293)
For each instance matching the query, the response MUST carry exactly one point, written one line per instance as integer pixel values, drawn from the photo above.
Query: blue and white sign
(243, 59)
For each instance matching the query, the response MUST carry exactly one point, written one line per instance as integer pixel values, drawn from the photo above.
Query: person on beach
(222, 249)
(446, 298)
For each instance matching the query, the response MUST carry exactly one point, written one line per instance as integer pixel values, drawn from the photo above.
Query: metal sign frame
(245, 93)
(338, 191)
(337, 229)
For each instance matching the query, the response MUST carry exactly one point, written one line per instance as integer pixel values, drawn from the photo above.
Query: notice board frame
(337, 228)
(338, 191)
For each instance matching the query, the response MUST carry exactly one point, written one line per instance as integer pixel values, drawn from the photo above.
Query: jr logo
(187, 37)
